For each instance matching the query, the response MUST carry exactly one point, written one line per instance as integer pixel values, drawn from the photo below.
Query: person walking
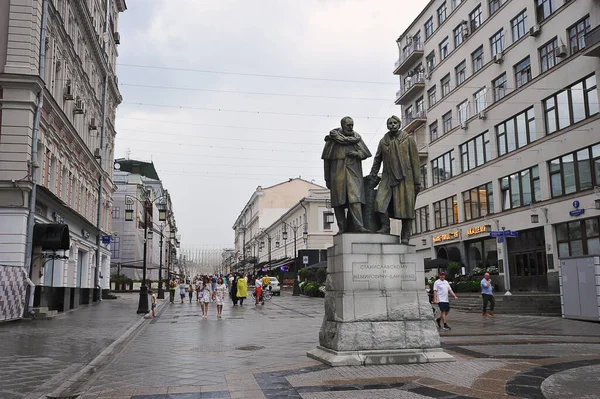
(191, 290)
(441, 289)
(242, 289)
(234, 298)
(220, 292)
(207, 294)
(258, 290)
(182, 290)
(487, 295)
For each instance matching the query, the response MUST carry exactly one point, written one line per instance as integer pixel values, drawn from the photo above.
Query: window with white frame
(463, 111)
(479, 99)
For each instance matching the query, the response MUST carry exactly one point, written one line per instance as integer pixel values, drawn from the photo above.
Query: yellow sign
(477, 230)
(453, 235)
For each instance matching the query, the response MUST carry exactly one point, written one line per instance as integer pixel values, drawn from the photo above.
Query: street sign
(305, 260)
(105, 240)
(496, 234)
(512, 234)
(504, 233)
(500, 240)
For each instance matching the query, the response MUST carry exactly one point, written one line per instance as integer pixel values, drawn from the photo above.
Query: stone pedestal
(376, 307)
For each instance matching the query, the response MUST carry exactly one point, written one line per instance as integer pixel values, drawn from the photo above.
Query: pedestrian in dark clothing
(234, 291)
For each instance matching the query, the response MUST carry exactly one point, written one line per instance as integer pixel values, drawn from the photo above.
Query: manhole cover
(250, 348)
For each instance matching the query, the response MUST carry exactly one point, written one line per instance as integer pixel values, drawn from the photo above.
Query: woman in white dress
(207, 295)
(220, 293)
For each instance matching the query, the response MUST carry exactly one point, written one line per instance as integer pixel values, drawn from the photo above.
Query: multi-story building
(265, 206)
(58, 95)
(306, 230)
(137, 184)
(502, 97)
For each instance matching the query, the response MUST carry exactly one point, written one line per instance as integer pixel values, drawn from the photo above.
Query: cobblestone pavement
(260, 352)
(37, 355)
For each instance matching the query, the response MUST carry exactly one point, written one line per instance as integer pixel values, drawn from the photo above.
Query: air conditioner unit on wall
(535, 30)
(463, 125)
(117, 37)
(499, 58)
(481, 115)
(560, 51)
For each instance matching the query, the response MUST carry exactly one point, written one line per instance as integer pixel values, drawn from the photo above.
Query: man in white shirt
(441, 289)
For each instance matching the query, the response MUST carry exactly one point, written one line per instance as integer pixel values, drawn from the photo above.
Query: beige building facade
(502, 97)
(72, 158)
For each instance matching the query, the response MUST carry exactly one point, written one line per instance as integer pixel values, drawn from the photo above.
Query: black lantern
(172, 235)
(129, 215)
(276, 244)
(284, 234)
(150, 233)
(305, 236)
(162, 213)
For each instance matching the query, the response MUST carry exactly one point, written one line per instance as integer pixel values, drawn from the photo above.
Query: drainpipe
(102, 154)
(305, 221)
(34, 139)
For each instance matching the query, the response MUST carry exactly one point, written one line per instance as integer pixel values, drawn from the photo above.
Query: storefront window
(482, 254)
(578, 238)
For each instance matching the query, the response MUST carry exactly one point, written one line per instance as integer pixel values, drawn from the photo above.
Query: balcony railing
(413, 120)
(592, 43)
(410, 83)
(409, 54)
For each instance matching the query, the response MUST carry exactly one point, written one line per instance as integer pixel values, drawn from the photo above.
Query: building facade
(502, 98)
(136, 182)
(73, 135)
(265, 207)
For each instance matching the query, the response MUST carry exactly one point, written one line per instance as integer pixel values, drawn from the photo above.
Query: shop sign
(478, 230)
(453, 235)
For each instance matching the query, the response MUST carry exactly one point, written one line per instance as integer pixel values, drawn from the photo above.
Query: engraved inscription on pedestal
(366, 272)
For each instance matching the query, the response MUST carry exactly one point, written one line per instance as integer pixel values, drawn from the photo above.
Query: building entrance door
(527, 260)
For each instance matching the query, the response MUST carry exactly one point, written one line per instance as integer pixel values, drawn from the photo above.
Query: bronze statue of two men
(400, 180)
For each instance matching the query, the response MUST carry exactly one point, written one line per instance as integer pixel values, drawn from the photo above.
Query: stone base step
(43, 313)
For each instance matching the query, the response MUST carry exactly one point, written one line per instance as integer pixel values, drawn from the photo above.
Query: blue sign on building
(105, 240)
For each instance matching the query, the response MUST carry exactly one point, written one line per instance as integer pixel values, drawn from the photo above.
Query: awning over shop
(320, 265)
(276, 264)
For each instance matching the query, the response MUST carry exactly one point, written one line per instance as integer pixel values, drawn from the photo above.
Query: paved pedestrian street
(106, 350)
(260, 352)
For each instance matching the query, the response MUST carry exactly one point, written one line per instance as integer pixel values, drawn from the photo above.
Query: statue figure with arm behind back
(400, 180)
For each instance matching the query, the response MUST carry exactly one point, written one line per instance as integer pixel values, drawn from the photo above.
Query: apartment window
(445, 83)
(476, 18)
(516, 132)
(459, 35)
(480, 100)
(497, 42)
(475, 152)
(494, 5)
(428, 28)
(430, 60)
(442, 13)
(442, 168)
(115, 247)
(431, 97)
(522, 72)
(521, 188)
(577, 33)
(478, 202)
(433, 131)
(420, 106)
(519, 26)
(447, 121)
(423, 173)
(461, 72)
(445, 212)
(499, 85)
(408, 112)
(444, 51)
(116, 212)
(477, 59)
(456, 3)
(463, 111)
(581, 237)
(544, 8)
(571, 105)
(575, 172)
(547, 55)
(421, 223)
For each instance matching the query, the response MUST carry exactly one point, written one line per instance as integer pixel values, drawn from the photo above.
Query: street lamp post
(296, 291)
(162, 216)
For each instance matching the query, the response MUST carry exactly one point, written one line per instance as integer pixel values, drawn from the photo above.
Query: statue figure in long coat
(400, 180)
(343, 155)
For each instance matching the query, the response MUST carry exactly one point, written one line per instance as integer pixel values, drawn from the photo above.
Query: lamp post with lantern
(295, 228)
(162, 216)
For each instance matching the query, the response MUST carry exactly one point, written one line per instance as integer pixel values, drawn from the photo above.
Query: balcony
(413, 121)
(411, 86)
(410, 54)
(592, 43)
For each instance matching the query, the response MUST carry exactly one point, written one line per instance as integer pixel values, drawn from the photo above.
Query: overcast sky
(227, 95)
